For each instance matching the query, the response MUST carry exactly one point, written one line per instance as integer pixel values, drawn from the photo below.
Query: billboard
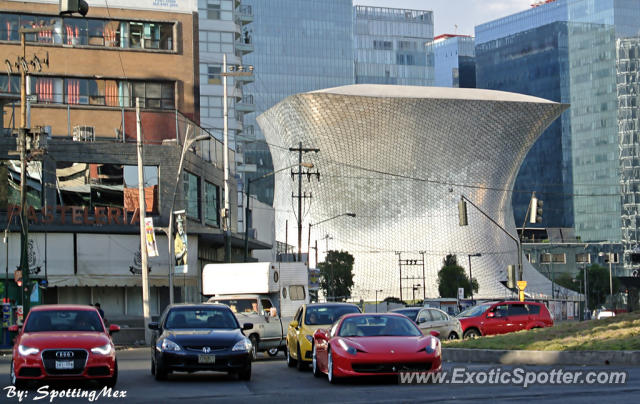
(180, 245)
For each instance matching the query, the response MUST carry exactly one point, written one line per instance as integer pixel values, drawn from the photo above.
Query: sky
(466, 14)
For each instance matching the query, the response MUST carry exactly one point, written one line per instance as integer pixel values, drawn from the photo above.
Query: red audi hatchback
(64, 342)
(503, 317)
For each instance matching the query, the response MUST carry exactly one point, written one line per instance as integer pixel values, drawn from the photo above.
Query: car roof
(409, 308)
(374, 315)
(50, 307)
(330, 304)
(197, 305)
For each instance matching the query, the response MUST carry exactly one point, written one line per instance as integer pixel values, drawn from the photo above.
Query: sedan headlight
(242, 345)
(102, 350)
(347, 347)
(168, 345)
(432, 345)
(27, 350)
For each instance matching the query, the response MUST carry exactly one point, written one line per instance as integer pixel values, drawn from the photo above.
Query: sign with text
(152, 247)
(180, 242)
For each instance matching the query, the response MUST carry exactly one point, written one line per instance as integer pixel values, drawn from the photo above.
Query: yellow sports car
(307, 320)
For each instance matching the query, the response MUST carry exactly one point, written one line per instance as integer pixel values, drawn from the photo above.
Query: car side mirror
(247, 326)
(491, 314)
(293, 324)
(154, 325)
(14, 328)
(435, 333)
(114, 328)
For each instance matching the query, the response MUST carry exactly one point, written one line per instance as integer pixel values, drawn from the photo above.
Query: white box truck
(267, 294)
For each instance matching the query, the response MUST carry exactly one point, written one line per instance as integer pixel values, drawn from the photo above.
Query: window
(213, 74)
(192, 194)
(9, 27)
(423, 316)
(213, 10)
(518, 310)
(153, 95)
(533, 309)
(296, 292)
(211, 200)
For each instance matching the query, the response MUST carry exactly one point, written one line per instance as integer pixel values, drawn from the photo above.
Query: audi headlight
(242, 345)
(432, 345)
(102, 350)
(309, 338)
(27, 350)
(347, 347)
(168, 345)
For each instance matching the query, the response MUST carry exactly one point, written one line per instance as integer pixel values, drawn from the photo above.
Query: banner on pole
(180, 242)
(152, 247)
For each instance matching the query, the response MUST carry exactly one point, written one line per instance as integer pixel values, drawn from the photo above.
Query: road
(273, 382)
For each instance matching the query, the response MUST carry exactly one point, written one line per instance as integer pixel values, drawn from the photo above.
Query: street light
(246, 212)
(377, 290)
(471, 277)
(315, 224)
(186, 145)
(609, 257)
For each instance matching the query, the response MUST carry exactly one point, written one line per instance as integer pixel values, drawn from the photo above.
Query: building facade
(454, 61)
(390, 46)
(565, 51)
(85, 76)
(452, 142)
(299, 46)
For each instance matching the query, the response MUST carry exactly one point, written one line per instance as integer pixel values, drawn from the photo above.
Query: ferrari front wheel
(332, 378)
(314, 363)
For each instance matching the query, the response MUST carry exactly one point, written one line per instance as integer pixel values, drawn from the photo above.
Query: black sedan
(200, 337)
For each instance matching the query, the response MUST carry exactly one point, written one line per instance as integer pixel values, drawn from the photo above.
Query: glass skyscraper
(565, 51)
(299, 46)
(454, 61)
(390, 46)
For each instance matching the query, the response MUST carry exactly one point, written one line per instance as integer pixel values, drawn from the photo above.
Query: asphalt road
(273, 382)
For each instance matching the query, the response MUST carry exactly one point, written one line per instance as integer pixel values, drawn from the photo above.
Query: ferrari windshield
(378, 326)
(63, 320)
(321, 315)
(201, 317)
(474, 311)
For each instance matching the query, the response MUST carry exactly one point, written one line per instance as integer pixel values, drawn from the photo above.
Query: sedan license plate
(206, 359)
(64, 364)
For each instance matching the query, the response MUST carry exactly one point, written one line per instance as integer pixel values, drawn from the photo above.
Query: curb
(507, 357)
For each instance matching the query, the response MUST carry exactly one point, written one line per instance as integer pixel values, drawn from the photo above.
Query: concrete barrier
(506, 357)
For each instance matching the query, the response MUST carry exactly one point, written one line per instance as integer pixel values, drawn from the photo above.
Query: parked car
(374, 344)
(603, 312)
(430, 319)
(64, 342)
(503, 317)
(307, 320)
(195, 337)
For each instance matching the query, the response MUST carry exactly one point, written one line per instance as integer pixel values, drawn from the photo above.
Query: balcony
(244, 43)
(246, 104)
(244, 15)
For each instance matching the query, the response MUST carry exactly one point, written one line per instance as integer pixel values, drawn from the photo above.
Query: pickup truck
(269, 329)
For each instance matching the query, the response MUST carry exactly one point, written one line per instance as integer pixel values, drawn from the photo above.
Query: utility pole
(143, 238)
(300, 196)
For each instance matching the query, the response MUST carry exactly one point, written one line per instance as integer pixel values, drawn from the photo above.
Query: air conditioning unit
(84, 134)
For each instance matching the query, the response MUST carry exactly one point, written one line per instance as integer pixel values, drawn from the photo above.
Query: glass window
(424, 316)
(211, 196)
(201, 317)
(213, 74)
(9, 24)
(518, 310)
(76, 91)
(297, 292)
(75, 31)
(96, 32)
(213, 9)
(136, 30)
(192, 195)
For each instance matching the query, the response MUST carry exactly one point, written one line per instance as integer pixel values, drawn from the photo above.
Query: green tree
(567, 281)
(597, 285)
(452, 276)
(336, 275)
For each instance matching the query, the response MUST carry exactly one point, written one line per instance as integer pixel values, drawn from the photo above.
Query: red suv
(64, 342)
(503, 317)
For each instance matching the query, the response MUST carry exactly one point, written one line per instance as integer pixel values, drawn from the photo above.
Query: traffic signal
(536, 210)
(511, 276)
(462, 213)
(73, 6)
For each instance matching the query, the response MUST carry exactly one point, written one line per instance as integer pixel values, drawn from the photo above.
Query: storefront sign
(19, 315)
(70, 215)
(6, 315)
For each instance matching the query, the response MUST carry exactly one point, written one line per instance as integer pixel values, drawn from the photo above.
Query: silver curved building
(400, 157)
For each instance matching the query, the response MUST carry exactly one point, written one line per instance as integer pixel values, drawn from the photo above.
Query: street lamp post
(315, 224)
(248, 195)
(377, 290)
(185, 146)
(470, 276)
(610, 257)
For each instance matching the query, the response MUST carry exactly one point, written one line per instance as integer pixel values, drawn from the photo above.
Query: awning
(117, 281)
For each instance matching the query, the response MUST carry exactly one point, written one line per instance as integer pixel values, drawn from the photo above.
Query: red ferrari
(374, 344)
(64, 342)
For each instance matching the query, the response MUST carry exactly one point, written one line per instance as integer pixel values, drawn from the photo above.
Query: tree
(393, 299)
(452, 276)
(567, 281)
(336, 275)
(597, 285)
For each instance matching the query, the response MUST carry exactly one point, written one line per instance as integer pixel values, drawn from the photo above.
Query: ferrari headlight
(168, 345)
(27, 350)
(102, 350)
(432, 345)
(242, 345)
(347, 347)
(309, 338)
